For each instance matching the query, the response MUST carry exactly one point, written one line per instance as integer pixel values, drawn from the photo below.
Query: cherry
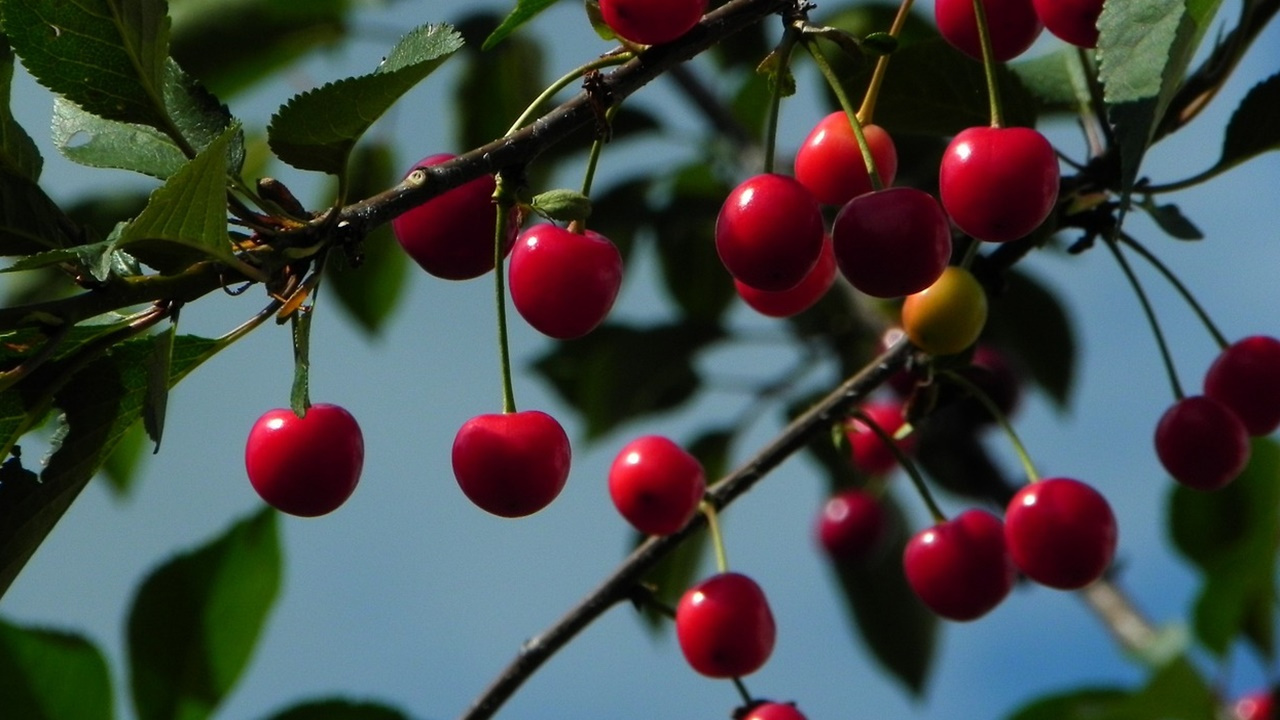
(651, 22)
(774, 711)
(793, 301)
(960, 568)
(305, 466)
(891, 242)
(1012, 24)
(511, 464)
(725, 627)
(1256, 706)
(829, 162)
(1246, 378)
(998, 184)
(1202, 443)
(869, 453)
(851, 526)
(769, 232)
(451, 235)
(564, 283)
(948, 316)
(1060, 533)
(1075, 21)
(656, 485)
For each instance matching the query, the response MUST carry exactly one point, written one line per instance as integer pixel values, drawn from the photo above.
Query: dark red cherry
(564, 283)
(793, 301)
(960, 568)
(769, 232)
(851, 526)
(1075, 21)
(1060, 533)
(1246, 378)
(1201, 443)
(868, 451)
(892, 242)
(511, 464)
(829, 162)
(998, 184)
(1012, 24)
(651, 22)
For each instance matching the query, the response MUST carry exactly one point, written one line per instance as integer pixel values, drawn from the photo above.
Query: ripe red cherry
(564, 283)
(960, 568)
(451, 235)
(829, 162)
(892, 242)
(869, 453)
(1256, 706)
(725, 627)
(1060, 533)
(769, 232)
(774, 711)
(785, 303)
(1201, 443)
(305, 466)
(851, 526)
(1075, 21)
(651, 22)
(1246, 378)
(1012, 24)
(998, 184)
(656, 485)
(511, 464)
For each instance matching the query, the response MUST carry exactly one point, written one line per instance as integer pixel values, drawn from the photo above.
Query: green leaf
(684, 229)
(524, 11)
(1031, 322)
(51, 675)
(30, 222)
(1082, 704)
(107, 56)
(196, 620)
(563, 205)
(339, 709)
(87, 139)
(1171, 220)
(1056, 80)
(618, 373)
(317, 129)
(199, 117)
(1254, 127)
(18, 152)
(1175, 692)
(185, 220)
(158, 366)
(122, 465)
(96, 259)
(1230, 536)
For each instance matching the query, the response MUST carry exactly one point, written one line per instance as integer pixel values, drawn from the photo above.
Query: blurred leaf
(1255, 125)
(1175, 692)
(1082, 704)
(370, 291)
(196, 620)
(622, 211)
(1171, 220)
(30, 222)
(1029, 320)
(317, 129)
(1230, 535)
(95, 259)
(123, 465)
(18, 152)
(750, 103)
(50, 675)
(1055, 80)
(618, 373)
(524, 11)
(949, 450)
(158, 366)
(339, 709)
(495, 86)
(684, 229)
(186, 218)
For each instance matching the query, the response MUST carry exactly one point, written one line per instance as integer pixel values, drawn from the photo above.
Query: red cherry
(829, 162)
(564, 283)
(774, 711)
(1201, 443)
(451, 235)
(785, 303)
(998, 184)
(851, 527)
(769, 232)
(1012, 24)
(511, 464)
(1256, 706)
(892, 242)
(869, 453)
(656, 485)
(1060, 533)
(725, 627)
(305, 466)
(960, 568)
(1075, 21)
(651, 22)
(1246, 378)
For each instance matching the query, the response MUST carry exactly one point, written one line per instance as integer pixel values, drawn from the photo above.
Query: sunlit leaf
(52, 675)
(524, 11)
(93, 141)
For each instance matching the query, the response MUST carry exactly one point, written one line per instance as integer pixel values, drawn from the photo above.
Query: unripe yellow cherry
(948, 316)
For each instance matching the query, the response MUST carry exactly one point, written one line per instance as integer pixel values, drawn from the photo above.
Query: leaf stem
(829, 74)
(503, 201)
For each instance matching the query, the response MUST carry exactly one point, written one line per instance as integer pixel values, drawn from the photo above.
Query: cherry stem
(907, 464)
(1113, 245)
(834, 82)
(564, 82)
(717, 541)
(868, 109)
(502, 197)
(1001, 419)
(742, 690)
(988, 62)
(596, 148)
(970, 253)
(1177, 284)
(783, 52)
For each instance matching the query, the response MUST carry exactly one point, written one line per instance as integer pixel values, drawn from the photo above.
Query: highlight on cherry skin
(1012, 24)
(451, 235)
(306, 466)
(960, 568)
(1201, 443)
(829, 162)
(1246, 378)
(651, 22)
(769, 232)
(892, 242)
(851, 527)
(564, 283)
(724, 626)
(656, 485)
(1060, 532)
(998, 184)
(511, 464)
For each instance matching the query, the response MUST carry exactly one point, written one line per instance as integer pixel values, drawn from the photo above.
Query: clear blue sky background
(412, 596)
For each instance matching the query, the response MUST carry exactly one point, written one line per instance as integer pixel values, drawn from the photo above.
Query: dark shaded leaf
(200, 118)
(1084, 704)
(621, 212)
(158, 366)
(1029, 320)
(51, 675)
(18, 152)
(124, 463)
(684, 229)
(339, 709)
(196, 620)
(524, 11)
(1171, 220)
(1255, 125)
(618, 373)
(1175, 692)
(317, 129)
(30, 222)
